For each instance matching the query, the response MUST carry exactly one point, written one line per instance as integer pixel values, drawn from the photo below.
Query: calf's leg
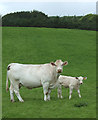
(70, 92)
(79, 93)
(59, 91)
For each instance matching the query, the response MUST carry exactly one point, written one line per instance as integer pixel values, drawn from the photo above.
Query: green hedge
(39, 19)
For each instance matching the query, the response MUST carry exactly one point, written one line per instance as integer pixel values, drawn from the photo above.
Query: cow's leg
(49, 91)
(18, 95)
(45, 89)
(70, 92)
(59, 91)
(11, 93)
(79, 93)
(16, 90)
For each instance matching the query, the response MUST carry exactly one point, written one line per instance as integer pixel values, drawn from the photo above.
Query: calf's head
(80, 79)
(59, 65)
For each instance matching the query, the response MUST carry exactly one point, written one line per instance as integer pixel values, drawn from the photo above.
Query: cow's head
(59, 65)
(80, 79)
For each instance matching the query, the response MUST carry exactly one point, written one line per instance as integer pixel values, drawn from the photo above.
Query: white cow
(71, 83)
(33, 76)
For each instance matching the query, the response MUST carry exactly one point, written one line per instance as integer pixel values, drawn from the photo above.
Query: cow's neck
(58, 74)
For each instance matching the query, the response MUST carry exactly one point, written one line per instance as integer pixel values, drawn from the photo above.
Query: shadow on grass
(82, 104)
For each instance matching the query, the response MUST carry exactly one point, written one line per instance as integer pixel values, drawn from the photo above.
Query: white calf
(71, 83)
(33, 76)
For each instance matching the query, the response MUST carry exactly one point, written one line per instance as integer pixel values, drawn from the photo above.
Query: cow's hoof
(69, 98)
(12, 101)
(79, 96)
(22, 101)
(58, 96)
(48, 99)
(61, 97)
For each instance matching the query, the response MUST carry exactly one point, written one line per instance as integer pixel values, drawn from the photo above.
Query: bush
(39, 19)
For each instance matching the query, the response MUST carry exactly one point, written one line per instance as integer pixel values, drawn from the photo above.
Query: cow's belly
(31, 82)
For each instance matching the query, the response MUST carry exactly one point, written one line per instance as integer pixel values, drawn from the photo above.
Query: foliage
(42, 45)
(39, 19)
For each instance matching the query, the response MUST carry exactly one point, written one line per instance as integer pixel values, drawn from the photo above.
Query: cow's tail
(7, 82)
(8, 68)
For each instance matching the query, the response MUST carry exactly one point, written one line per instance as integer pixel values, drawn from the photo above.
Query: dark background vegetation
(39, 19)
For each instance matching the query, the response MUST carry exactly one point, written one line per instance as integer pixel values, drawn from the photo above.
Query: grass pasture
(43, 45)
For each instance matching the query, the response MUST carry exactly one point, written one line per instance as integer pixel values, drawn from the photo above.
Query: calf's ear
(65, 63)
(52, 63)
(84, 78)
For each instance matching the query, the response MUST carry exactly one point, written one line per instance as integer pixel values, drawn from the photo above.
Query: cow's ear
(76, 77)
(65, 63)
(84, 78)
(52, 63)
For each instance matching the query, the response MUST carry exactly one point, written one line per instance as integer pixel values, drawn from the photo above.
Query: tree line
(39, 19)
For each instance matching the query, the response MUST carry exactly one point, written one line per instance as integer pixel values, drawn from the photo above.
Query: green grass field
(43, 45)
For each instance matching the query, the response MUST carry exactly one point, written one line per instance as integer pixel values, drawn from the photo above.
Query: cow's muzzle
(59, 71)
